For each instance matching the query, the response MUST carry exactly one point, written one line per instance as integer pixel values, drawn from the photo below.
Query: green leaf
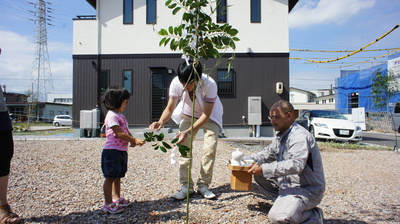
(163, 32)
(233, 32)
(176, 10)
(163, 149)
(174, 140)
(183, 147)
(171, 30)
(162, 41)
(155, 148)
(160, 137)
(167, 41)
(148, 136)
(166, 145)
(171, 6)
(183, 152)
(168, 2)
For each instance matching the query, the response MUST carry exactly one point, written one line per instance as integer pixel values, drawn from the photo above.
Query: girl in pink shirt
(114, 158)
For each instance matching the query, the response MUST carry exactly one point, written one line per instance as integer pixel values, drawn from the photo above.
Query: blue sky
(331, 25)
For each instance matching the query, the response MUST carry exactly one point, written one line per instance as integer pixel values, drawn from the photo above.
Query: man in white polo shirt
(208, 112)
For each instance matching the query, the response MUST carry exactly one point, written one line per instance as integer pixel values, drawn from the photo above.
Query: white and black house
(120, 46)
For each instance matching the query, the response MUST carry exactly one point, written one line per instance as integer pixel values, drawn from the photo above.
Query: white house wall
(269, 36)
(298, 96)
(85, 37)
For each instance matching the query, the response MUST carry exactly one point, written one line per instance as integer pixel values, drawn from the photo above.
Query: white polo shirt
(206, 91)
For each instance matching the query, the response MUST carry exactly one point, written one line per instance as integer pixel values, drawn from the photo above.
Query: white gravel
(60, 181)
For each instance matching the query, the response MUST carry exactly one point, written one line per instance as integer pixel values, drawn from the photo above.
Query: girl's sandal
(112, 208)
(122, 202)
(7, 216)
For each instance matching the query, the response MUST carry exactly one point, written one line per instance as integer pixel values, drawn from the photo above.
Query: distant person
(290, 169)
(6, 154)
(114, 158)
(208, 112)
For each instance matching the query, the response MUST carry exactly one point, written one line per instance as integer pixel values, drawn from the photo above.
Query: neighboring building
(120, 46)
(301, 96)
(354, 89)
(60, 98)
(20, 109)
(325, 97)
(303, 100)
(14, 97)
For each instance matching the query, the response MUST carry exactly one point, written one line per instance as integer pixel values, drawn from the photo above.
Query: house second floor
(131, 26)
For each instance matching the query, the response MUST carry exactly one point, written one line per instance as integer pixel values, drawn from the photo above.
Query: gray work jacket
(294, 160)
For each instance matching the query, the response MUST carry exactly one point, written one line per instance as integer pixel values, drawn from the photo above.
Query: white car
(330, 125)
(64, 120)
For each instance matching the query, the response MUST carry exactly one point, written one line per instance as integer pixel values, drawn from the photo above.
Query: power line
(366, 61)
(359, 50)
(339, 51)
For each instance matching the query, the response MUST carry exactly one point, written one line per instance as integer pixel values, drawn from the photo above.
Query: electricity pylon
(41, 71)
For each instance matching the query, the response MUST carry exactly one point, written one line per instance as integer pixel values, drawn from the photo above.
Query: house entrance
(159, 93)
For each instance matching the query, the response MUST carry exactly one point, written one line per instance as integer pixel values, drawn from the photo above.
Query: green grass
(46, 133)
(32, 124)
(334, 146)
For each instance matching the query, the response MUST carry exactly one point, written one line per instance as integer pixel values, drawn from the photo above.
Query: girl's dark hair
(114, 96)
(186, 72)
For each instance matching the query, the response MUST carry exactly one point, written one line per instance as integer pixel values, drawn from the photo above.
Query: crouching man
(290, 169)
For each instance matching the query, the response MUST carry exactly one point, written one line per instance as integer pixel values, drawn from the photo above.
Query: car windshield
(327, 114)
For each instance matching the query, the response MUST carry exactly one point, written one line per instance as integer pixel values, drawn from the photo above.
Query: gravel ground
(60, 181)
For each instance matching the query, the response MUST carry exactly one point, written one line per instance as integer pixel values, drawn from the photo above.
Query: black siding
(257, 75)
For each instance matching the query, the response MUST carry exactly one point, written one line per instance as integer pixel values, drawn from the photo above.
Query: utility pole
(41, 65)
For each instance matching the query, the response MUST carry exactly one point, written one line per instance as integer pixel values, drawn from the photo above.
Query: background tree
(384, 87)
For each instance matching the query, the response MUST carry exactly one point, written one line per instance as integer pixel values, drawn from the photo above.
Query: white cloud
(312, 12)
(17, 63)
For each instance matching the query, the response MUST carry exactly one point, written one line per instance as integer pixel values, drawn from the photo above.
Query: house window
(128, 12)
(397, 108)
(127, 80)
(151, 11)
(104, 80)
(226, 82)
(255, 13)
(221, 11)
(353, 100)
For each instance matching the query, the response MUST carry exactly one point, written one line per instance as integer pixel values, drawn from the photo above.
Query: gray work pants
(289, 208)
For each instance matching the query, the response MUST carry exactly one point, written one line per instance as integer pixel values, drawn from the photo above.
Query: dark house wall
(256, 75)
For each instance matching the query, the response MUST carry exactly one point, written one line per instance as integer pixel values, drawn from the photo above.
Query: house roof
(92, 3)
(292, 3)
(302, 90)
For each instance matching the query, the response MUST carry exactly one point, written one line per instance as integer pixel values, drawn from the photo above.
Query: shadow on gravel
(152, 211)
(336, 221)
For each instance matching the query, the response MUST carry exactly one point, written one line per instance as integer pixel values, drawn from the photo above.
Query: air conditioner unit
(254, 110)
(95, 118)
(86, 119)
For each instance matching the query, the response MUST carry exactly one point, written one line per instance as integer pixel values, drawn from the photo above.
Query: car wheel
(56, 124)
